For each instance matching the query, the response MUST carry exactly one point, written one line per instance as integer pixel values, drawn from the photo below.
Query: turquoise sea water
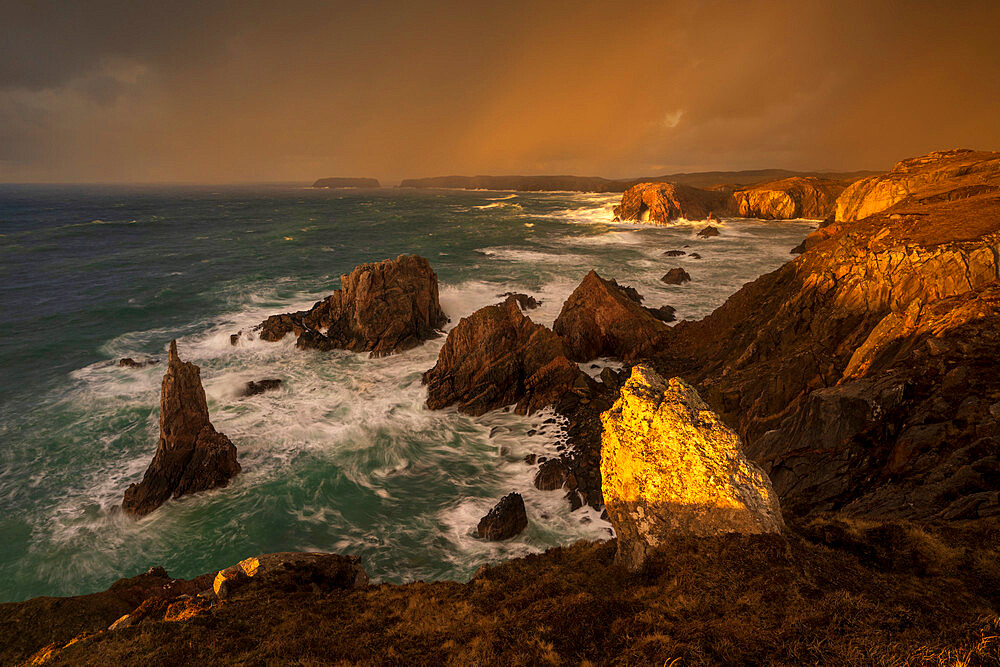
(344, 457)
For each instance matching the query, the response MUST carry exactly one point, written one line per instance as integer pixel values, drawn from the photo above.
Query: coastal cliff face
(862, 376)
(334, 183)
(950, 174)
(191, 455)
(671, 467)
(797, 197)
(662, 203)
(381, 308)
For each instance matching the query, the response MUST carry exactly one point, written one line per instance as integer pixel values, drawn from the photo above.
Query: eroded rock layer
(191, 455)
(670, 468)
(381, 308)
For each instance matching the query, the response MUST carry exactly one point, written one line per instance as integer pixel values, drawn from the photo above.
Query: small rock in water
(530, 459)
(708, 232)
(260, 386)
(551, 475)
(694, 255)
(676, 276)
(505, 520)
(674, 253)
(129, 362)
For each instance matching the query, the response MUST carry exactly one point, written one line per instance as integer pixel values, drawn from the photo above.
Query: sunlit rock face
(941, 176)
(381, 308)
(796, 197)
(191, 456)
(671, 467)
(662, 203)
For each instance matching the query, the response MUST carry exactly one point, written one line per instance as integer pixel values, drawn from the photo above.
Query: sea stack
(671, 467)
(191, 456)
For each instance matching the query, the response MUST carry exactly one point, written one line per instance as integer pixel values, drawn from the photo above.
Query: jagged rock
(601, 319)
(290, 571)
(551, 475)
(674, 253)
(526, 301)
(709, 232)
(664, 313)
(260, 386)
(694, 255)
(129, 362)
(789, 198)
(381, 308)
(676, 276)
(505, 520)
(191, 456)
(663, 203)
(671, 467)
(937, 177)
(497, 357)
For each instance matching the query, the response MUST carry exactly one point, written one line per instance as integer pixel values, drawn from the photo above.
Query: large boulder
(381, 308)
(505, 520)
(191, 456)
(671, 467)
(497, 357)
(293, 571)
(789, 198)
(938, 176)
(663, 203)
(600, 318)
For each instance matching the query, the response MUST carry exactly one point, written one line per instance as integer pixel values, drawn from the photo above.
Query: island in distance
(336, 183)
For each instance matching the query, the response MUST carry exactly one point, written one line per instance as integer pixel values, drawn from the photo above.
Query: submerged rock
(497, 357)
(381, 308)
(665, 202)
(600, 319)
(191, 456)
(290, 571)
(676, 276)
(252, 388)
(671, 467)
(505, 520)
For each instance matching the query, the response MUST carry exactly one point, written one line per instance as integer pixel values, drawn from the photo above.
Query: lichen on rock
(671, 467)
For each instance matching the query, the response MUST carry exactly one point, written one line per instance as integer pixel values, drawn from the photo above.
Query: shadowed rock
(252, 388)
(129, 362)
(505, 520)
(709, 232)
(381, 308)
(526, 301)
(293, 571)
(497, 357)
(674, 253)
(670, 467)
(676, 276)
(191, 455)
(554, 474)
(601, 319)
(663, 313)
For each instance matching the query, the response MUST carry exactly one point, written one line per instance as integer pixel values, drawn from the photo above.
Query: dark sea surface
(344, 457)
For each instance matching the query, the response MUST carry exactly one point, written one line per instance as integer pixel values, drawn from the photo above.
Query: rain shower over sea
(344, 457)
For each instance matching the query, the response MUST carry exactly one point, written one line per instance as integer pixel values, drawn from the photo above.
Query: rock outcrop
(334, 183)
(600, 318)
(505, 520)
(709, 232)
(293, 571)
(191, 456)
(676, 276)
(252, 388)
(672, 468)
(381, 308)
(861, 376)
(939, 176)
(789, 198)
(497, 357)
(662, 203)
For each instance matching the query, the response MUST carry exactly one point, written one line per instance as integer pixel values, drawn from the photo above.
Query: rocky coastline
(808, 471)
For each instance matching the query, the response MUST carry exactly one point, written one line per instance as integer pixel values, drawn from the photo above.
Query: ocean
(344, 457)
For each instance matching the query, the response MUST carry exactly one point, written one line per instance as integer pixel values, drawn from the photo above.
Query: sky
(220, 92)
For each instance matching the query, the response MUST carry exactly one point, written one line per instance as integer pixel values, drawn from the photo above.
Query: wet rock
(671, 467)
(191, 455)
(129, 362)
(709, 232)
(664, 313)
(252, 388)
(663, 203)
(551, 475)
(497, 357)
(674, 253)
(601, 319)
(505, 520)
(293, 571)
(676, 276)
(694, 255)
(381, 308)
(526, 301)
(575, 502)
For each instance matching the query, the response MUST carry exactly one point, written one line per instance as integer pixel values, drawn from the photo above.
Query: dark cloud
(221, 91)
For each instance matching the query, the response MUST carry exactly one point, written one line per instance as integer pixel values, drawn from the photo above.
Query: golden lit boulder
(671, 467)
(663, 203)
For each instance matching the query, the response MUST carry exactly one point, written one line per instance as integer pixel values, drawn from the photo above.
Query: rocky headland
(336, 183)
(810, 474)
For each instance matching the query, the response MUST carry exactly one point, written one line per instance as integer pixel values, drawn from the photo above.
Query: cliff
(662, 203)
(334, 183)
(797, 197)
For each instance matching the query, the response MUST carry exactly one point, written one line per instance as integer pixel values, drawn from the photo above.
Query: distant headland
(334, 183)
